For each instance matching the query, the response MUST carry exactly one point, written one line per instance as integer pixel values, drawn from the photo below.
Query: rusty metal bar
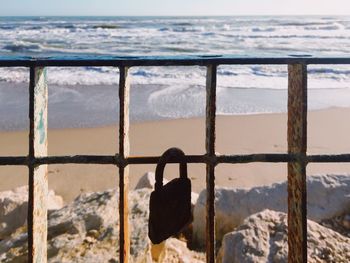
(297, 134)
(329, 158)
(155, 159)
(13, 160)
(297, 159)
(124, 149)
(231, 159)
(210, 150)
(38, 184)
(262, 157)
(79, 159)
(195, 60)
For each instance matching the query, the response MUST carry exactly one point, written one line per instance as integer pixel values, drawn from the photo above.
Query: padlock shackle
(168, 156)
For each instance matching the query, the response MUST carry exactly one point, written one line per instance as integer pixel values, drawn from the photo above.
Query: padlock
(170, 204)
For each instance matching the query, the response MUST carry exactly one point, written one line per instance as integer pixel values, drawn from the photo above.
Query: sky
(172, 7)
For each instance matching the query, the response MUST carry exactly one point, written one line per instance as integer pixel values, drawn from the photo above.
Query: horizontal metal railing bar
(14, 160)
(155, 159)
(78, 159)
(219, 159)
(331, 158)
(262, 157)
(129, 61)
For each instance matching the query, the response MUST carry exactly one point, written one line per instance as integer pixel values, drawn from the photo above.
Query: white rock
(54, 201)
(263, 238)
(194, 198)
(147, 181)
(327, 196)
(14, 205)
(87, 231)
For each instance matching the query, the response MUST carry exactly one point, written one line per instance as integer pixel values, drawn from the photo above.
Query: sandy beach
(242, 134)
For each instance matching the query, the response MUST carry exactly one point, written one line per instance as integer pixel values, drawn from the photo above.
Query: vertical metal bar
(210, 150)
(297, 133)
(124, 90)
(38, 184)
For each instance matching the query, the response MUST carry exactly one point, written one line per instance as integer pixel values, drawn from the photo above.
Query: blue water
(175, 92)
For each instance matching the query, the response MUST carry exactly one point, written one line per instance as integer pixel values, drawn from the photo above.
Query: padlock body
(170, 209)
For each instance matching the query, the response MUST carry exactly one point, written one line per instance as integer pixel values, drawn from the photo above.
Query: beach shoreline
(237, 134)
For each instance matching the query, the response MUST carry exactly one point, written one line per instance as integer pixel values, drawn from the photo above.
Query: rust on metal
(297, 133)
(124, 149)
(38, 184)
(297, 158)
(210, 169)
(217, 159)
(195, 60)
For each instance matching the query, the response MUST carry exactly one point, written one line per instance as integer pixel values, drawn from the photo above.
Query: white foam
(180, 91)
(258, 77)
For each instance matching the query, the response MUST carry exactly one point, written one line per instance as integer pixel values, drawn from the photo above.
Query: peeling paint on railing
(297, 159)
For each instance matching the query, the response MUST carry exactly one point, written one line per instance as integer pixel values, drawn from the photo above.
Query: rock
(340, 224)
(14, 208)
(263, 238)
(327, 197)
(54, 201)
(147, 181)
(87, 231)
(346, 222)
(194, 199)
(176, 251)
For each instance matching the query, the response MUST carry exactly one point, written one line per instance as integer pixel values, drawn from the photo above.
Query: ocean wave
(106, 26)
(165, 102)
(152, 36)
(266, 77)
(331, 27)
(175, 36)
(7, 27)
(329, 70)
(68, 26)
(181, 29)
(181, 49)
(40, 19)
(175, 92)
(259, 71)
(326, 28)
(226, 72)
(144, 73)
(22, 47)
(186, 29)
(35, 27)
(182, 24)
(302, 24)
(289, 36)
(259, 29)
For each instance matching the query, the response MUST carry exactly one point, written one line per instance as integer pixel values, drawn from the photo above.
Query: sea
(88, 96)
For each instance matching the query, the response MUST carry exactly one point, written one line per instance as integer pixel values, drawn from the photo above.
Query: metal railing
(297, 159)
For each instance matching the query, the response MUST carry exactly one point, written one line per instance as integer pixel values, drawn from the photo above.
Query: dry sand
(328, 132)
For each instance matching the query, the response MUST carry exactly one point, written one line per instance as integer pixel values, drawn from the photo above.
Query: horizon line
(231, 15)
